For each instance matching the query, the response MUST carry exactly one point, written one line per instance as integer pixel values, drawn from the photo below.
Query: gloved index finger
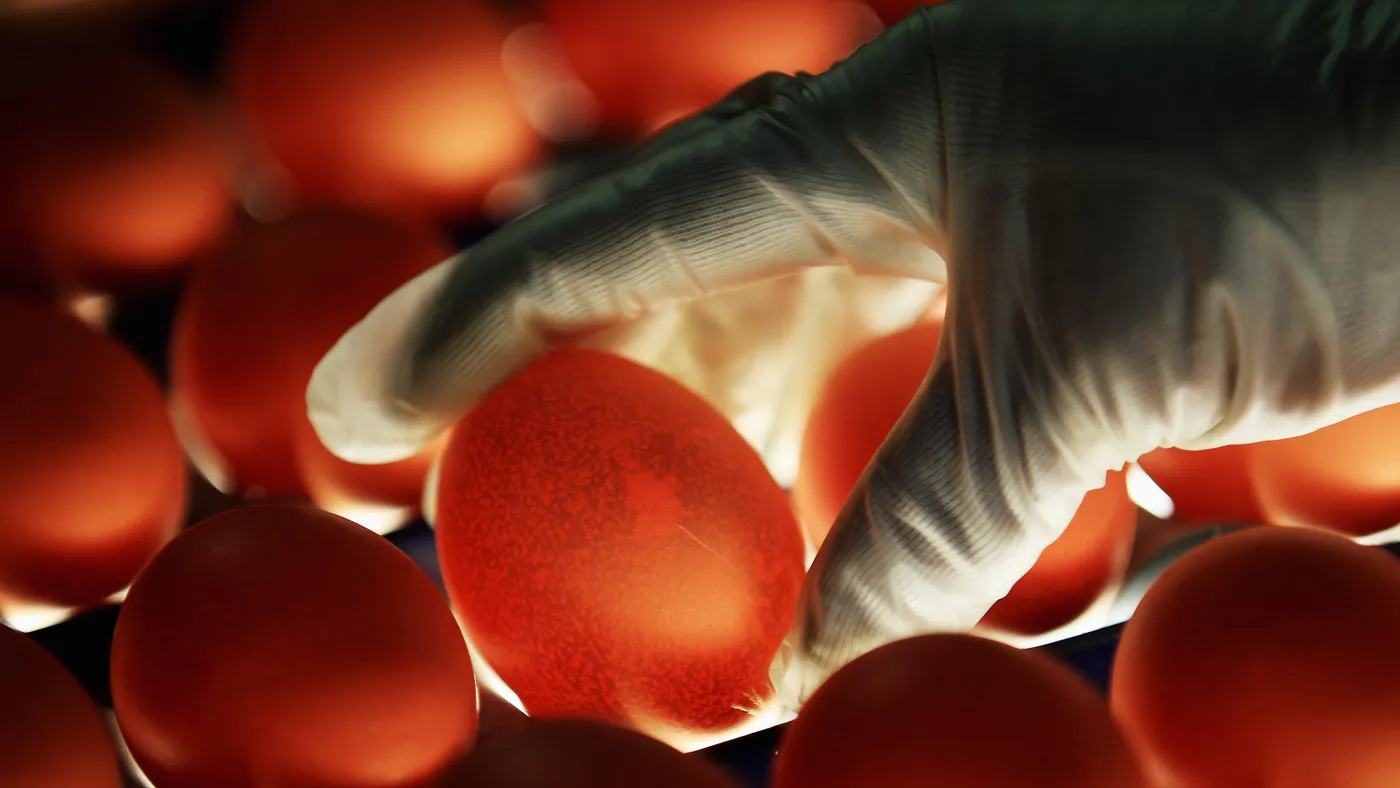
(761, 194)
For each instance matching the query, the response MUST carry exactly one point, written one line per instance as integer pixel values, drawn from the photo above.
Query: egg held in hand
(281, 645)
(615, 550)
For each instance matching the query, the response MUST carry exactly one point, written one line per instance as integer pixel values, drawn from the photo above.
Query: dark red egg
(616, 550)
(1266, 657)
(648, 63)
(399, 106)
(582, 754)
(1344, 478)
(856, 408)
(114, 175)
(954, 710)
(862, 401)
(1075, 571)
(1210, 486)
(254, 321)
(281, 645)
(92, 480)
(50, 733)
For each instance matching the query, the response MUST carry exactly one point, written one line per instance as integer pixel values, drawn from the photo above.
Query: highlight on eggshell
(403, 107)
(1266, 657)
(115, 175)
(254, 320)
(51, 735)
(616, 552)
(1343, 478)
(973, 712)
(648, 63)
(340, 666)
(92, 480)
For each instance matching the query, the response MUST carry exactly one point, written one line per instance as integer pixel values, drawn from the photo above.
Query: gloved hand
(1167, 223)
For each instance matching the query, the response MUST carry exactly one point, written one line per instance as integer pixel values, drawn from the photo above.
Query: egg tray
(83, 644)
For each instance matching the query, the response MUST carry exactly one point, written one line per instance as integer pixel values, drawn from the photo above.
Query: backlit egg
(401, 106)
(114, 175)
(858, 406)
(254, 321)
(1266, 657)
(616, 551)
(582, 754)
(954, 710)
(1211, 486)
(92, 480)
(281, 645)
(50, 733)
(1344, 478)
(648, 63)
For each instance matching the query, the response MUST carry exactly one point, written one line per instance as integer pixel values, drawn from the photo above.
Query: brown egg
(649, 63)
(616, 551)
(1344, 478)
(1266, 658)
(50, 733)
(954, 710)
(579, 754)
(1089, 559)
(113, 173)
(254, 321)
(92, 481)
(400, 105)
(1211, 486)
(281, 645)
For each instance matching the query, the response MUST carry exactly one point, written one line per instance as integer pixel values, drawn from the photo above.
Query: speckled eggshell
(615, 549)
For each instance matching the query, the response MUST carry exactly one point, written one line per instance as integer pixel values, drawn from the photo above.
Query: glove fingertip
(348, 397)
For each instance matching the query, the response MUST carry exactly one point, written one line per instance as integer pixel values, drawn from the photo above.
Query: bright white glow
(1390, 535)
(379, 519)
(32, 618)
(428, 506)
(1145, 493)
(123, 752)
(94, 309)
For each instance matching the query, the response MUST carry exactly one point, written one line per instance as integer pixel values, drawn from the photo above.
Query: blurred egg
(1210, 486)
(280, 645)
(1075, 571)
(92, 481)
(395, 105)
(954, 710)
(855, 409)
(1345, 477)
(858, 406)
(1266, 657)
(616, 551)
(254, 321)
(582, 754)
(114, 176)
(649, 63)
(50, 733)
(380, 497)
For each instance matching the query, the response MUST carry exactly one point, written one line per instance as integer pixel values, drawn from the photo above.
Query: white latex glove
(1168, 223)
